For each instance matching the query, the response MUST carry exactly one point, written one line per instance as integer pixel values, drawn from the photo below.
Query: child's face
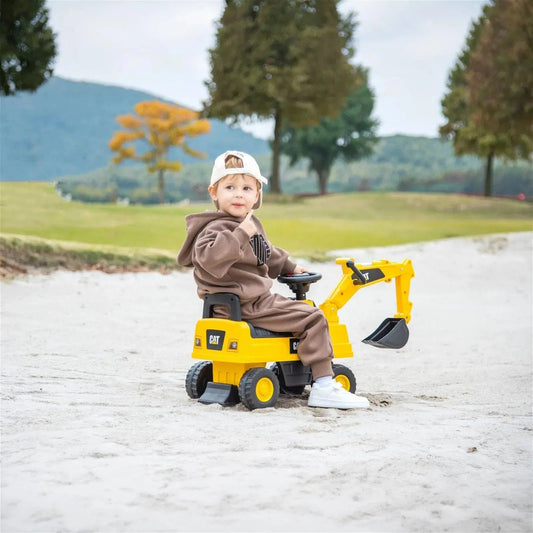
(236, 194)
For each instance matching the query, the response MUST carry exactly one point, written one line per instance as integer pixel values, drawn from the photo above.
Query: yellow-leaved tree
(160, 126)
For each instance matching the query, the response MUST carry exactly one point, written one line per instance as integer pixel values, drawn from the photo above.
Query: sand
(98, 433)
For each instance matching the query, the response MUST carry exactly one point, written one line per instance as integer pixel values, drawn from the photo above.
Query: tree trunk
(161, 185)
(274, 178)
(323, 176)
(488, 174)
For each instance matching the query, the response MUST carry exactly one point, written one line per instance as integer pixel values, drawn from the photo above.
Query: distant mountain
(61, 132)
(64, 127)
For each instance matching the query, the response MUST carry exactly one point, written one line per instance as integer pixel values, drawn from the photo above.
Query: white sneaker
(334, 395)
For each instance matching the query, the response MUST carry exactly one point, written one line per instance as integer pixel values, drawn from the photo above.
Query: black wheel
(259, 388)
(345, 377)
(294, 390)
(198, 376)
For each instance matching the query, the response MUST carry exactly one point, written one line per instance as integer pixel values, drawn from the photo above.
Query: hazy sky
(161, 47)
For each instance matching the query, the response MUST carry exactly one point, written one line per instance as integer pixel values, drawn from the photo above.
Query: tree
(466, 138)
(468, 123)
(500, 75)
(161, 126)
(283, 59)
(351, 136)
(27, 46)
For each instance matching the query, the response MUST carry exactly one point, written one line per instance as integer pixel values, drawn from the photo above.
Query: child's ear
(213, 192)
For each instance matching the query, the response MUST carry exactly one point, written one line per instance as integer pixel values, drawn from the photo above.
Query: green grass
(308, 227)
(34, 252)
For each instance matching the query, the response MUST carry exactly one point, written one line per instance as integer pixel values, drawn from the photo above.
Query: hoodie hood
(194, 224)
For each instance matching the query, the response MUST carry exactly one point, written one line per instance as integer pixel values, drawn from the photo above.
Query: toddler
(230, 252)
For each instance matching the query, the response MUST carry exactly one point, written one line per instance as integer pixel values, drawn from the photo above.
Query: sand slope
(98, 433)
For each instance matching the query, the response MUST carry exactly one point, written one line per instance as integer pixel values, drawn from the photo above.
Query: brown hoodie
(223, 257)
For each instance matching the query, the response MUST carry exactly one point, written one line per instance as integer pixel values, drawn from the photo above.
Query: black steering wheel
(299, 283)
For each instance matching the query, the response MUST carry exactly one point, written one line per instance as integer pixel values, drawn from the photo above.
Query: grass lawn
(306, 227)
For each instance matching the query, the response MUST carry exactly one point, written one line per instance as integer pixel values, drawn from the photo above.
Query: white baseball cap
(249, 166)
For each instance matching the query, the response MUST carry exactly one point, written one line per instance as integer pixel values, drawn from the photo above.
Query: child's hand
(299, 270)
(248, 225)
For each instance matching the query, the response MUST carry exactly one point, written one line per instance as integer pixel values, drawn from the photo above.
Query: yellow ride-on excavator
(234, 354)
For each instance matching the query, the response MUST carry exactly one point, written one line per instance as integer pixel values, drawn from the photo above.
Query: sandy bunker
(98, 433)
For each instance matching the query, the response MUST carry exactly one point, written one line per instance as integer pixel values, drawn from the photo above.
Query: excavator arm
(393, 331)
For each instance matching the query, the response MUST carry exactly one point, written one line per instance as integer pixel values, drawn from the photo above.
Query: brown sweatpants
(307, 323)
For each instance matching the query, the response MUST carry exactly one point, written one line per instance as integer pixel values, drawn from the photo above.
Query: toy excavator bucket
(391, 333)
